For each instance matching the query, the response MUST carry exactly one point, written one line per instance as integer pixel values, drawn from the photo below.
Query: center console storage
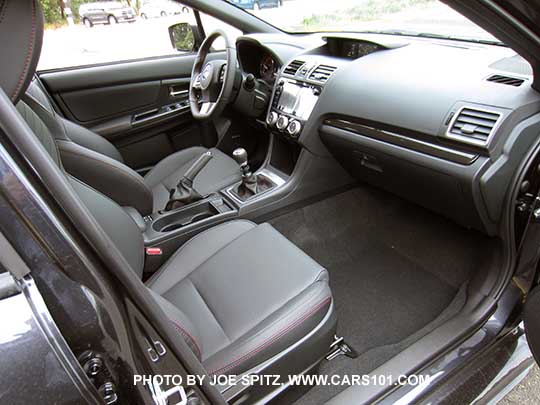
(176, 226)
(186, 216)
(166, 231)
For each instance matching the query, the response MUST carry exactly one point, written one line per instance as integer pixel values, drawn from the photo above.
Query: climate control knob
(282, 123)
(272, 119)
(294, 128)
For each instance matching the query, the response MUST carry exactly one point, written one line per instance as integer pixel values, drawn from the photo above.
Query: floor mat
(394, 268)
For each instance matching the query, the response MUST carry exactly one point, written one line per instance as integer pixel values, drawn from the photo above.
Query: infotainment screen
(297, 100)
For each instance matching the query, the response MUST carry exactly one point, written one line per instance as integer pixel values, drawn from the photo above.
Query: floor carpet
(395, 269)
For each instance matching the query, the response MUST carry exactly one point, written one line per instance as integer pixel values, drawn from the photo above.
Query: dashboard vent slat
(322, 73)
(474, 125)
(293, 67)
(508, 80)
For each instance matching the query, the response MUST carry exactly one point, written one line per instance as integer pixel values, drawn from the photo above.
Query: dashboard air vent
(322, 73)
(293, 67)
(510, 81)
(473, 125)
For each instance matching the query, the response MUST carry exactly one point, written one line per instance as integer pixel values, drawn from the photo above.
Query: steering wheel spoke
(207, 107)
(197, 82)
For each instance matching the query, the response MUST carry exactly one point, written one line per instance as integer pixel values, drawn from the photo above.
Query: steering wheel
(211, 84)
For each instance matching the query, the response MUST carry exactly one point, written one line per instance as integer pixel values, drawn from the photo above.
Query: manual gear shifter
(252, 184)
(249, 179)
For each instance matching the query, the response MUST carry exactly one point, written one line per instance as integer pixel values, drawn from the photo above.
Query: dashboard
(454, 117)
(258, 61)
(351, 48)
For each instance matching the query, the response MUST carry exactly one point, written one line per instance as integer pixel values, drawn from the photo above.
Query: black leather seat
(94, 160)
(241, 295)
(230, 283)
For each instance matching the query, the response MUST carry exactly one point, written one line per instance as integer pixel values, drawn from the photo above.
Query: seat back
(88, 156)
(119, 226)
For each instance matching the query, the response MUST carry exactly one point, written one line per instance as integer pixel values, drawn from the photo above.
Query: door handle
(177, 93)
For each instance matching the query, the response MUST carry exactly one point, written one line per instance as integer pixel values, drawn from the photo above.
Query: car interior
(319, 203)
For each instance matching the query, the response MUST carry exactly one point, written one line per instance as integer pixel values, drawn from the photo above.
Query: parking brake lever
(184, 193)
(196, 168)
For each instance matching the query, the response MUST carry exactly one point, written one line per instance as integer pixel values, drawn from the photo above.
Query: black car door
(140, 104)
(515, 23)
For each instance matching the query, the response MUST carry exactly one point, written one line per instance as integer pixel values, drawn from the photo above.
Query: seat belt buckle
(153, 251)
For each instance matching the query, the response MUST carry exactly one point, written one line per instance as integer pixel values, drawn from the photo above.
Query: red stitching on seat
(272, 339)
(186, 334)
(29, 54)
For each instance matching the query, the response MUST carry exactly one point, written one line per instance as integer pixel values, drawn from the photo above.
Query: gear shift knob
(241, 157)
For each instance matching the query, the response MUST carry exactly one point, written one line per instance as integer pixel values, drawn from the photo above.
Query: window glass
(399, 17)
(81, 32)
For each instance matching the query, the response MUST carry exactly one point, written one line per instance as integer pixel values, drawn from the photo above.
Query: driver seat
(95, 161)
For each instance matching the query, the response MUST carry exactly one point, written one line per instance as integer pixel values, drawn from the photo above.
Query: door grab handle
(179, 93)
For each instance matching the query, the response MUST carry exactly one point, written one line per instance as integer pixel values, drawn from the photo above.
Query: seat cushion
(220, 172)
(248, 292)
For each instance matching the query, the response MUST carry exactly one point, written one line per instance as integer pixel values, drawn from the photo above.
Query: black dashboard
(351, 48)
(258, 61)
(431, 120)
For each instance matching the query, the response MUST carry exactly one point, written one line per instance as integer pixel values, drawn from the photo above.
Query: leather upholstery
(41, 131)
(220, 172)
(94, 160)
(113, 178)
(238, 293)
(119, 225)
(21, 30)
(92, 141)
(229, 281)
(77, 133)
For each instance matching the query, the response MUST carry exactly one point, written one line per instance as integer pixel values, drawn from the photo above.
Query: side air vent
(322, 73)
(473, 125)
(293, 67)
(510, 81)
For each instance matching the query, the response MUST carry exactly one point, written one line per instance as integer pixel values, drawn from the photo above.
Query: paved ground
(528, 392)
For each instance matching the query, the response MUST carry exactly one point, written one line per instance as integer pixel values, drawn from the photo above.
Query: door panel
(90, 105)
(140, 106)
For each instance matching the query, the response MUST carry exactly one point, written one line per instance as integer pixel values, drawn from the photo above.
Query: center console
(166, 230)
(188, 213)
(292, 103)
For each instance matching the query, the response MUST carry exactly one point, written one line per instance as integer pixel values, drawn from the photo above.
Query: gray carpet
(395, 270)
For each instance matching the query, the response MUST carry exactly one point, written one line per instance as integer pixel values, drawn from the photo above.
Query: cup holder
(185, 216)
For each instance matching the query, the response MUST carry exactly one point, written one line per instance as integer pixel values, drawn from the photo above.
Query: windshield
(405, 17)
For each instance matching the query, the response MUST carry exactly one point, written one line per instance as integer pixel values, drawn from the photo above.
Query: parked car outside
(256, 4)
(161, 8)
(106, 12)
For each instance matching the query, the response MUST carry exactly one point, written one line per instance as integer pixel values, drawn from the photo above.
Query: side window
(83, 32)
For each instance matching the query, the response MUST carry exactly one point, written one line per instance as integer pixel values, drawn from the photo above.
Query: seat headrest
(21, 30)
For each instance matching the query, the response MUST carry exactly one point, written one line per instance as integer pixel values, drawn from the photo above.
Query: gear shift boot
(252, 184)
(245, 191)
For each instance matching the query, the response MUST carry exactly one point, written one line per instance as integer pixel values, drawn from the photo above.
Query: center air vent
(510, 81)
(322, 73)
(473, 125)
(293, 67)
